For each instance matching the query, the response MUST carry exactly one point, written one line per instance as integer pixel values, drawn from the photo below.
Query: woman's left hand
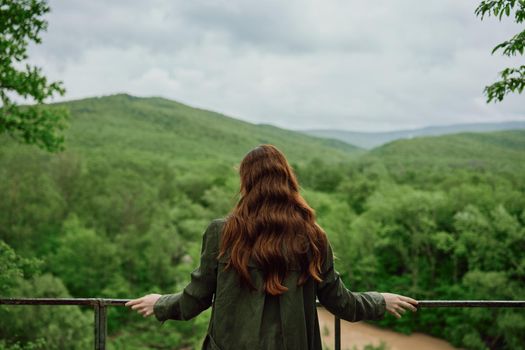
(144, 305)
(397, 304)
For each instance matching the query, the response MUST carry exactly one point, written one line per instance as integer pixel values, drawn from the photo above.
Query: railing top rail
(471, 303)
(121, 302)
(63, 301)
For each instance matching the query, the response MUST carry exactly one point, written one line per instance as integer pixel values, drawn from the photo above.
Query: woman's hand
(144, 305)
(396, 304)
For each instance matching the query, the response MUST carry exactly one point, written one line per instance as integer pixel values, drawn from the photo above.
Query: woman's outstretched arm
(196, 297)
(353, 306)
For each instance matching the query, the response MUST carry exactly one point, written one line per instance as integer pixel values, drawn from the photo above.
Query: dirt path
(359, 334)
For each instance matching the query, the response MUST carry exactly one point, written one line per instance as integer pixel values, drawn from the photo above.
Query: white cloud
(379, 65)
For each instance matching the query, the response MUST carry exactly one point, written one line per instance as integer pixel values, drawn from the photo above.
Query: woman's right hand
(144, 305)
(396, 304)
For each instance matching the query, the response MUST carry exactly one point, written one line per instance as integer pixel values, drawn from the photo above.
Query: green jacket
(243, 320)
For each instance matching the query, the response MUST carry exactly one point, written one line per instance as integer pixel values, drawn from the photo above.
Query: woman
(262, 268)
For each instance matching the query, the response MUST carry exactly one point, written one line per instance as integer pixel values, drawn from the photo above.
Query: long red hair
(272, 223)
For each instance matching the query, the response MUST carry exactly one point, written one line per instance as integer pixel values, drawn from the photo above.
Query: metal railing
(100, 307)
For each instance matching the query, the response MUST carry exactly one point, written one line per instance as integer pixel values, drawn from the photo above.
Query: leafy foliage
(512, 79)
(21, 21)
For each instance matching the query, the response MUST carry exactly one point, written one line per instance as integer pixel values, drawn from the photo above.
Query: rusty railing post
(101, 324)
(337, 335)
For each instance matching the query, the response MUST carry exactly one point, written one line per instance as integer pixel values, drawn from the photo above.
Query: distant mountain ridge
(370, 140)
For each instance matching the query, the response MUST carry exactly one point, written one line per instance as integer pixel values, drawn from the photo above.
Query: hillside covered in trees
(121, 212)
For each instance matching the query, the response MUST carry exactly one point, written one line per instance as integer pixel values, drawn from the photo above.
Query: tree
(21, 22)
(512, 79)
(85, 261)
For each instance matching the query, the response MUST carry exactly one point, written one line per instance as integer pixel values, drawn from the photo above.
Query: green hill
(120, 125)
(496, 151)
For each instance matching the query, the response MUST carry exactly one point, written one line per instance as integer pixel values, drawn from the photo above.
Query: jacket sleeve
(197, 296)
(343, 303)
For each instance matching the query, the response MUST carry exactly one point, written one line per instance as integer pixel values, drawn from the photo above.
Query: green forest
(121, 211)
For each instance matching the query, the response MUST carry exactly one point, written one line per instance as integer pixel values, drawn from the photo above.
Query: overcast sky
(356, 65)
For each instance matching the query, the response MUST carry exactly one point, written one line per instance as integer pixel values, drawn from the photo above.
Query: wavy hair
(272, 224)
